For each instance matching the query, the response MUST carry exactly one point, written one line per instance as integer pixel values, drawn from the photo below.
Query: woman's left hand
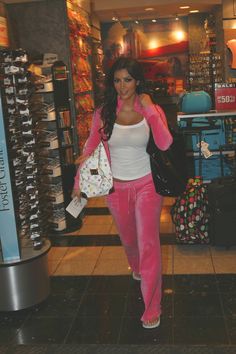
(145, 100)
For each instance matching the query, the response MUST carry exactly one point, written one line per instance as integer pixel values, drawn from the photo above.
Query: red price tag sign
(225, 98)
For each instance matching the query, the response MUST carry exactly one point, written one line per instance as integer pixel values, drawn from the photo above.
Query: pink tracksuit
(136, 209)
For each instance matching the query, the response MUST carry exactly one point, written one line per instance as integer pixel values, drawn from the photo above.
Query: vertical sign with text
(8, 231)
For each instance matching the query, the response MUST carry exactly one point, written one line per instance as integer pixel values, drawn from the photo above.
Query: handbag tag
(94, 171)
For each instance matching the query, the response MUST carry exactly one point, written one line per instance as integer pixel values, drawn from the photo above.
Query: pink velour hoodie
(154, 116)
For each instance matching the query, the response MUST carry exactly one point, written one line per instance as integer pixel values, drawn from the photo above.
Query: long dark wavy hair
(108, 110)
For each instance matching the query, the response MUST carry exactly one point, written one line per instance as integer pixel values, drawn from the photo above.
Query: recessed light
(184, 7)
(193, 11)
(149, 9)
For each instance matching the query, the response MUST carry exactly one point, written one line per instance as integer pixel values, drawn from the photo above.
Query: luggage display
(222, 211)
(211, 152)
(190, 214)
(196, 102)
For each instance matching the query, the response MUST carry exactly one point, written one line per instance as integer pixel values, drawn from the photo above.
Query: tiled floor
(95, 300)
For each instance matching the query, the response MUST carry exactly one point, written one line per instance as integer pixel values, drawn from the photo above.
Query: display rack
(21, 145)
(56, 145)
(80, 47)
(205, 70)
(24, 247)
(218, 130)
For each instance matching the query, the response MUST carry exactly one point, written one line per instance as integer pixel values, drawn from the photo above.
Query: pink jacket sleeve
(156, 119)
(92, 142)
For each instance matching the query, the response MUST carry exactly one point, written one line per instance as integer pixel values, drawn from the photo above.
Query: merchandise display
(79, 37)
(216, 132)
(205, 70)
(98, 71)
(20, 126)
(24, 246)
(196, 102)
(55, 141)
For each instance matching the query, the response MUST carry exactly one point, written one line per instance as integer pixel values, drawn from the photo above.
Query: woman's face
(124, 84)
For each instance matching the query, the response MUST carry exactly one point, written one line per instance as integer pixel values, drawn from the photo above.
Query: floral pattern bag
(95, 174)
(190, 214)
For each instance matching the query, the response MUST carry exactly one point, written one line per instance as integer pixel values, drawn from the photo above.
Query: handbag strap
(101, 146)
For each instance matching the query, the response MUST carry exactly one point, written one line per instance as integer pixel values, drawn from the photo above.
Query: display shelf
(218, 131)
(81, 50)
(205, 70)
(56, 146)
(23, 258)
(20, 125)
(211, 114)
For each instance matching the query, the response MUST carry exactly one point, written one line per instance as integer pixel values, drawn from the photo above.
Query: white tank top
(127, 145)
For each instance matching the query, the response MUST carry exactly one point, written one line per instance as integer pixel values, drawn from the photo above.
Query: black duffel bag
(169, 167)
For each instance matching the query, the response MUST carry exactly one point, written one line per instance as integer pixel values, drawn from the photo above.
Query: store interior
(74, 270)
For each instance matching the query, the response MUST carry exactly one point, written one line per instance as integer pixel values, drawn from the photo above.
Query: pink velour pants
(136, 209)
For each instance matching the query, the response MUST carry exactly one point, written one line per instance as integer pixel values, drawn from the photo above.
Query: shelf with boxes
(56, 146)
(210, 143)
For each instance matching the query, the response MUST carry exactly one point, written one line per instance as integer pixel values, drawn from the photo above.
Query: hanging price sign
(225, 97)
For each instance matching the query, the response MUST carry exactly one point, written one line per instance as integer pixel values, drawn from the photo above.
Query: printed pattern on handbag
(95, 174)
(190, 214)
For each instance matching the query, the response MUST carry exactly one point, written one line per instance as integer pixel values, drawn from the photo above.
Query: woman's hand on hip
(145, 100)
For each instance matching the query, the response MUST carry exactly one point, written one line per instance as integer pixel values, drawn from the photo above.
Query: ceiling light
(193, 11)
(154, 20)
(176, 17)
(184, 7)
(136, 21)
(149, 9)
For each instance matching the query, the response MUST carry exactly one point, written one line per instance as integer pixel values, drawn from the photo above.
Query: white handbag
(95, 174)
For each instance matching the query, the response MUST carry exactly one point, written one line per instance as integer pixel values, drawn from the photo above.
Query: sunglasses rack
(20, 127)
(40, 144)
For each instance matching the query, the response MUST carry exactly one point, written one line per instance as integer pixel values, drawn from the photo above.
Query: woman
(124, 122)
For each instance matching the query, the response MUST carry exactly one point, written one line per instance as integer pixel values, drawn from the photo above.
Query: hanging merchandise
(190, 214)
(20, 125)
(79, 35)
(205, 70)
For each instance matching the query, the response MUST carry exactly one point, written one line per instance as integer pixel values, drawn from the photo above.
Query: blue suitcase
(196, 102)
